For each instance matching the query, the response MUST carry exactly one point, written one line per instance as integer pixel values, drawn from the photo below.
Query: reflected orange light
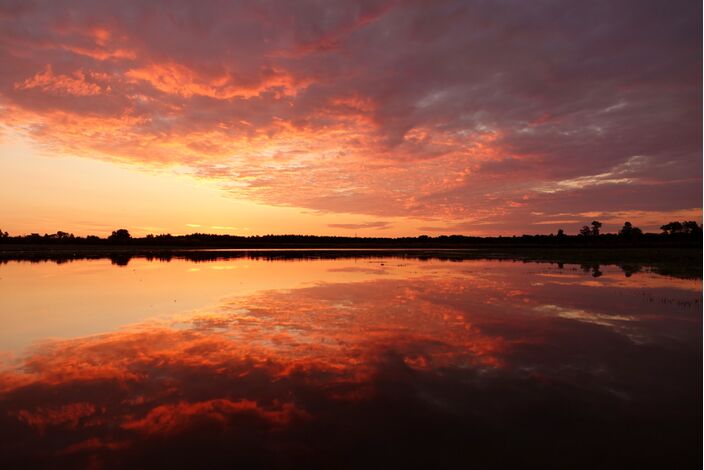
(272, 361)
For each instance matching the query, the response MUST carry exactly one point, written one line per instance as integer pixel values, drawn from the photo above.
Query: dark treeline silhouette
(675, 251)
(674, 234)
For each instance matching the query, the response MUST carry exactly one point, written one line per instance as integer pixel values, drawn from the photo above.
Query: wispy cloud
(379, 225)
(551, 222)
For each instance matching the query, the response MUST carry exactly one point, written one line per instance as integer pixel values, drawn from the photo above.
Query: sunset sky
(375, 118)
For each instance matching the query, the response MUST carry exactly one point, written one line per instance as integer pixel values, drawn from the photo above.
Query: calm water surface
(354, 363)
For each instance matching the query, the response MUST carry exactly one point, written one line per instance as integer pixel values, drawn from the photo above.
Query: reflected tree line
(678, 263)
(687, 233)
(595, 269)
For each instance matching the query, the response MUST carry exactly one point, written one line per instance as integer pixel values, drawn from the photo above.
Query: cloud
(278, 370)
(76, 85)
(562, 221)
(174, 418)
(456, 111)
(380, 225)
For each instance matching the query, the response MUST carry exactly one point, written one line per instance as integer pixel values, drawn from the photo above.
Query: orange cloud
(173, 78)
(78, 84)
(68, 415)
(101, 54)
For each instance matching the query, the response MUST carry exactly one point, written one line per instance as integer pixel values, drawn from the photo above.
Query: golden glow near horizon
(45, 193)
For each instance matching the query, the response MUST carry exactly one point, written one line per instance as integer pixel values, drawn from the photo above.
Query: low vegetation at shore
(674, 234)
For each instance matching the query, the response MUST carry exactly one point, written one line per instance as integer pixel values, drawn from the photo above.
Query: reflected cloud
(619, 323)
(465, 357)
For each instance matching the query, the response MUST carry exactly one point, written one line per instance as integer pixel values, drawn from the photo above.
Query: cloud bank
(476, 114)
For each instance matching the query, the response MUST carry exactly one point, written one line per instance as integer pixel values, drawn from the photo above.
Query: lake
(381, 360)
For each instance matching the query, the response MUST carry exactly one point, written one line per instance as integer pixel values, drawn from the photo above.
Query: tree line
(674, 233)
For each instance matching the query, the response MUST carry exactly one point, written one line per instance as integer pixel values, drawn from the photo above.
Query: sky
(374, 118)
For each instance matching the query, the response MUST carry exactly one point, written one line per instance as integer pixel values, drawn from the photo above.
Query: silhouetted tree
(626, 229)
(4, 234)
(672, 228)
(64, 235)
(585, 231)
(560, 233)
(596, 225)
(690, 226)
(120, 236)
(629, 231)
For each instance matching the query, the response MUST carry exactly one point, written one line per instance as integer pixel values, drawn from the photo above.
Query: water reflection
(683, 264)
(480, 364)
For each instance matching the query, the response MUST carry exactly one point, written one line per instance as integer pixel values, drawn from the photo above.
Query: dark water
(348, 363)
